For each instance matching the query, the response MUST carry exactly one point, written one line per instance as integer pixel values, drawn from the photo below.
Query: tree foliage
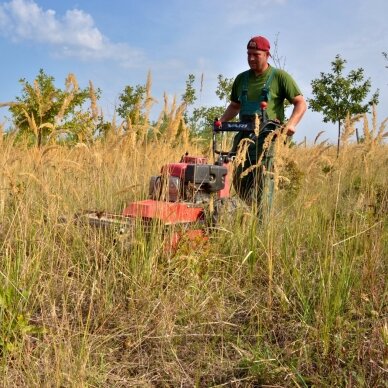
(131, 102)
(203, 117)
(337, 95)
(189, 96)
(43, 109)
(224, 89)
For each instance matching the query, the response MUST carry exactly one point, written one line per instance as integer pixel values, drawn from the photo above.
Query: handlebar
(246, 127)
(227, 126)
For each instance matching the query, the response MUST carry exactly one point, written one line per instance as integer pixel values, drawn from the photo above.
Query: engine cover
(210, 177)
(191, 182)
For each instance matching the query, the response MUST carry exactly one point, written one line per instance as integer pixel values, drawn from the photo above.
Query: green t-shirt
(282, 87)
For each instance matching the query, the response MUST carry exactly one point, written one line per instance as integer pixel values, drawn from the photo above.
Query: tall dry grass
(298, 301)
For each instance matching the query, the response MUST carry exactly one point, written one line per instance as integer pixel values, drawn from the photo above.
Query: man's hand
(300, 107)
(290, 130)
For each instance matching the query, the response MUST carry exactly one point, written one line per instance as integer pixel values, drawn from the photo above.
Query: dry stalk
(156, 127)
(31, 122)
(381, 132)
(170, 118)
(281, 157)
(316, 137)
(257, 125)
(39, 99)
(349, 128)
(131, 133)
(1, 133)
(113, 128)
(177, 121)
(72, 87)
(165, 104)
(374, 121)
(93, 101)
(184, 133)
(315, 153)
(201, 84)
(149, 100)
(367, 133)
(242, 149)
(174, 118)
(375, 136)
(9, 103)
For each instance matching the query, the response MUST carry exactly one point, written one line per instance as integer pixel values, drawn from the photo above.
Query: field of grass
(300, 300)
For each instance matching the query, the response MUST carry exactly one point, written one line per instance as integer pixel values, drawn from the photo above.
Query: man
(262, 83)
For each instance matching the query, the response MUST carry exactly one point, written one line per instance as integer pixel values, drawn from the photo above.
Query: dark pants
(257, 186)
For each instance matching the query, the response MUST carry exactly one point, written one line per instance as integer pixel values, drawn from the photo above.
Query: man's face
(257, 60)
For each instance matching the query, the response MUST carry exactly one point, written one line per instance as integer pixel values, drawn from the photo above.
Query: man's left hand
(290, 130)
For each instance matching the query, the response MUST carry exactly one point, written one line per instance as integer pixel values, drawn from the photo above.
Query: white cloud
(74, 34)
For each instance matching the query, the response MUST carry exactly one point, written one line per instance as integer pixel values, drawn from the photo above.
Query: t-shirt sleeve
(289, 86)
(234, 96)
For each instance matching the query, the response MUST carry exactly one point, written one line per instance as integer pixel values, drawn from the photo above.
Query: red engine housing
(167, 212)
(193, 172)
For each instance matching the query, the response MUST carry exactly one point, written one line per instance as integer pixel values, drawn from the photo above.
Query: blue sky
(115, 43)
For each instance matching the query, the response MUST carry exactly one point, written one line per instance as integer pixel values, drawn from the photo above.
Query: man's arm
(300, 107)
(231, 111)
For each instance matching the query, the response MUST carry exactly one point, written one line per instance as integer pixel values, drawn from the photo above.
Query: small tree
(224, 89)
(131, 103)
(43, 108)
(189, 96)
(337, 95)
(203, 117)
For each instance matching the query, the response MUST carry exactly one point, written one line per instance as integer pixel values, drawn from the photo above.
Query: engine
(191, 180)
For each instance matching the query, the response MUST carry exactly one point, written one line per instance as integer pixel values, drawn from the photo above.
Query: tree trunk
(39, 139)
(339, 137)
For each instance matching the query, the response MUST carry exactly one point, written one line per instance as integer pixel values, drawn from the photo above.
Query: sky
(116, 43)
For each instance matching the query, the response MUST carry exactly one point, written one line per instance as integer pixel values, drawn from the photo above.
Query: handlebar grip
(225, 153)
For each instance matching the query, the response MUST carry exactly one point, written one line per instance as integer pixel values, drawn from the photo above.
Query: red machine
(181, 192)
(182, 197)
(178, 199)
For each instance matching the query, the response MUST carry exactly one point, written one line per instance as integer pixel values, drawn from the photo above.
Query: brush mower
(187, 197)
